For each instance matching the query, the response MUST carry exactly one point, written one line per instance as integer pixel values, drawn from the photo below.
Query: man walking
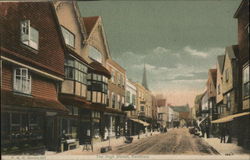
(222, 134)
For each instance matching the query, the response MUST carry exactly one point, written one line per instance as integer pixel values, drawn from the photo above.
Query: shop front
(25, 123)
(114, 125)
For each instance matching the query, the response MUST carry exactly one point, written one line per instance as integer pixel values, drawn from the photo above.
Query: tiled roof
(99, 68)
(89, 23)
(13, 99)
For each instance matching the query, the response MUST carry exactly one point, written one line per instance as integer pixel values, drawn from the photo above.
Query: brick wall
(41, 87)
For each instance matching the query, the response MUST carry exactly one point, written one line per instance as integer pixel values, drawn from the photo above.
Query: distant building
(184, 113)
(211, 91)
(198, 104)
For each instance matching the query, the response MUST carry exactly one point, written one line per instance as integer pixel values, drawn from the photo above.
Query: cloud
(192, 76)
(169, 69)
(194, 52)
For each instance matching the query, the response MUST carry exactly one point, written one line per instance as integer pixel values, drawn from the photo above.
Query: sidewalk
(226, 148)
(114, 142)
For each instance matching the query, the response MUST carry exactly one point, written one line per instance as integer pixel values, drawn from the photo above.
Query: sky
(177, 40)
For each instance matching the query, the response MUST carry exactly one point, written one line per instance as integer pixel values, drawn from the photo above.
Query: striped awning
(230, 117)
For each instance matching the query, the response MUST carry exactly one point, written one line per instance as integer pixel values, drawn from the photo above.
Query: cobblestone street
(175, 141)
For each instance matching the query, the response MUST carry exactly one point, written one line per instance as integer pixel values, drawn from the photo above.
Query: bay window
(77, 72)
(97, 88)
(22, 80)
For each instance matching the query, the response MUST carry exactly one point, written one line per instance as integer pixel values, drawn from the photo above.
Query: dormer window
(29, 35)
(69, 37)
(95, 54)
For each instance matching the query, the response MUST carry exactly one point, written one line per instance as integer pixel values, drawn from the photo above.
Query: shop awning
(9, 98)
(140, 121)
(230, 117)
(224, 119)
(241, 114)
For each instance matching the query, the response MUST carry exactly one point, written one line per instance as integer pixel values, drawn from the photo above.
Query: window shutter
(25, 30)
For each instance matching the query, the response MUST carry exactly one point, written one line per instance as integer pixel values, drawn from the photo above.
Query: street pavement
(175, 141)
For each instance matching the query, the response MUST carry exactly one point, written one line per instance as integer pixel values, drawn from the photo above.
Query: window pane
(33, 35)
(99, 78)
(69, 73)
(95, 54)
(94, 77)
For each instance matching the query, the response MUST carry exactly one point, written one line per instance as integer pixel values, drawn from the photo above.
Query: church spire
(144, 78)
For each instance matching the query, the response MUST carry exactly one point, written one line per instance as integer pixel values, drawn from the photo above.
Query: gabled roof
(244, 4)
(180, 108)
(232, 52)
(89, 23)
(82, 28)
(220, 60)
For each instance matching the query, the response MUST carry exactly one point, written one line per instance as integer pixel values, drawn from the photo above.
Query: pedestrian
(222, 134)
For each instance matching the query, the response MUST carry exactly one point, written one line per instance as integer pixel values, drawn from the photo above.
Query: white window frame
(29, 35)
(24, 85)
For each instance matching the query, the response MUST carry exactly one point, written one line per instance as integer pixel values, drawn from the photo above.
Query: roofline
(32, 68)
(77, 13)
(220, 69)
(239, 9)
(110, 61)
(226, 54)
(103, 33)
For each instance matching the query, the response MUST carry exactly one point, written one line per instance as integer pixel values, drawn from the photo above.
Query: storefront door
(50, 133)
